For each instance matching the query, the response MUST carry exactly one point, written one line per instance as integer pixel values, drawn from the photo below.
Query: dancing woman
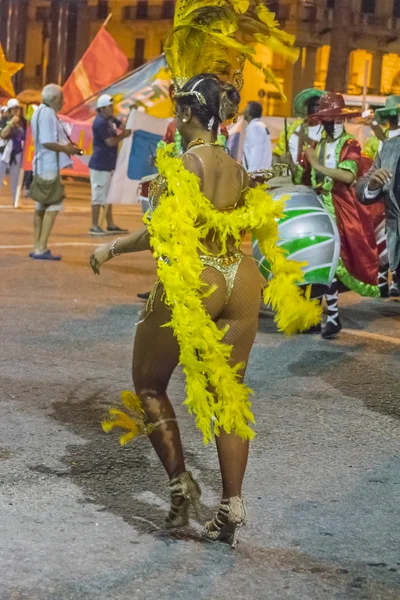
(203, 310)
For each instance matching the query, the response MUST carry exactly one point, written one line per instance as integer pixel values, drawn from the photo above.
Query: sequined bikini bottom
(227, 265)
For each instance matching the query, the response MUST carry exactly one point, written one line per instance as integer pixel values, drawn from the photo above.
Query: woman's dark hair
(221, 99)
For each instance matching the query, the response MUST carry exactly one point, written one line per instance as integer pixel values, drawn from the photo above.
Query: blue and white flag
(136, 157)
(141, 85)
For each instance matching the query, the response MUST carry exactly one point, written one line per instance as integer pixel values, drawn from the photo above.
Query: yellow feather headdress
(218, 36)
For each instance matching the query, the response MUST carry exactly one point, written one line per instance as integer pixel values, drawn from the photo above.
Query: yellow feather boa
(181, 220)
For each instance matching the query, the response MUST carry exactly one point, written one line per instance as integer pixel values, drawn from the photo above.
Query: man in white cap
(12, 135)
(53, 152)
(103, 161)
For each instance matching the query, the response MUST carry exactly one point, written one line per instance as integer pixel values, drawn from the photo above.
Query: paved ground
(81, 517)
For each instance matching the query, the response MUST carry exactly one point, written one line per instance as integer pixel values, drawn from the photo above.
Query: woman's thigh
(241, 312)
(156, 349)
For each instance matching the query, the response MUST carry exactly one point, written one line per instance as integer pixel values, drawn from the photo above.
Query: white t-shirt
(330, 155)
(257, 153)
(314, 133)
(50, 132)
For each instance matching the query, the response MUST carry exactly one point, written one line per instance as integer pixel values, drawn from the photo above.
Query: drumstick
(286, 136)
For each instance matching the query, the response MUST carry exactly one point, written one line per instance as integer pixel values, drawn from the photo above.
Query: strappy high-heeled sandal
(225, 526)
(185, 492)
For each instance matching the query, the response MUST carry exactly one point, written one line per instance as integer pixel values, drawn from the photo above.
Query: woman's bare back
(223, 180)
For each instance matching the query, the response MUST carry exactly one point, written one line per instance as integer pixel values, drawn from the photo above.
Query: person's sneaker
(332, 329)
(384, 290)
(383, 281)
(394, 290)
(115, 229)
(144, 296)
(46, 255)
(96, 231)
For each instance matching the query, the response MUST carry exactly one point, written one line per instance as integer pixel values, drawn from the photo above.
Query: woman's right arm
(135, 242)
(5, 132)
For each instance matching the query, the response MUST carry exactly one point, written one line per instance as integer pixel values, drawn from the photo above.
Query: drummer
(385, 124)
(332, 168)
(302, 132)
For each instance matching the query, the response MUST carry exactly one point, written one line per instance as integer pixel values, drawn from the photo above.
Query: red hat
(332, 106)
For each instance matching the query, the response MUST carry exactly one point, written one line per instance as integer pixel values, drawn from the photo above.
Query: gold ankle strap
(161, 422)
(134, 422)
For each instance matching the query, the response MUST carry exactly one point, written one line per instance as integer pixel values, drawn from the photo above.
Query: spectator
(257, 153)
(52, 153)
(103, 161)
(382, 183)
(4, 116)
(13, 136)
(28, 175)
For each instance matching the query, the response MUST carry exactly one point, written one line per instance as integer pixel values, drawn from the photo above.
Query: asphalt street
(81, 517)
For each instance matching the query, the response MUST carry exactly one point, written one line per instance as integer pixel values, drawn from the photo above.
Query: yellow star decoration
(7, 70)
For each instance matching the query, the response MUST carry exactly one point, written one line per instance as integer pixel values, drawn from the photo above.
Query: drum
(308, 233)
(143, 191)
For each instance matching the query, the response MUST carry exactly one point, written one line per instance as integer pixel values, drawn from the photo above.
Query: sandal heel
(225, 526)
(185, 493)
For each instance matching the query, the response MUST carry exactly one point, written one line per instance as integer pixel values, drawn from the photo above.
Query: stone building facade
(49, 36)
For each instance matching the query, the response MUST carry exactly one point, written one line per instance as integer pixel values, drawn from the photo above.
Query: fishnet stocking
(156, 354)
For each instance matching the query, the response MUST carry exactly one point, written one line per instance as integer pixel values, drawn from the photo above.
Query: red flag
(102, 64)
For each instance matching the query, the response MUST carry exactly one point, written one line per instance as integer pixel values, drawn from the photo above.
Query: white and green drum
(308, 234)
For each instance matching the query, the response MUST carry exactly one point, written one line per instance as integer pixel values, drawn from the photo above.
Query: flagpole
(286, 136)
(107, 20)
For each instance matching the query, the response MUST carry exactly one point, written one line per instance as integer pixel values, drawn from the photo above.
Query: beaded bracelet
(112, 249)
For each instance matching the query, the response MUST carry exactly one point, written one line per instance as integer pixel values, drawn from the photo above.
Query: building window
(168, 9)
(128, 13)
(102, 9)
(396, 9)
(138, 58)
(142, 9)
(368, 7)
(330, 4)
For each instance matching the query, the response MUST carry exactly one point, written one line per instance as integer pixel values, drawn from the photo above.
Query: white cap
(104, 100)
(367, 113)
(12, 103)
